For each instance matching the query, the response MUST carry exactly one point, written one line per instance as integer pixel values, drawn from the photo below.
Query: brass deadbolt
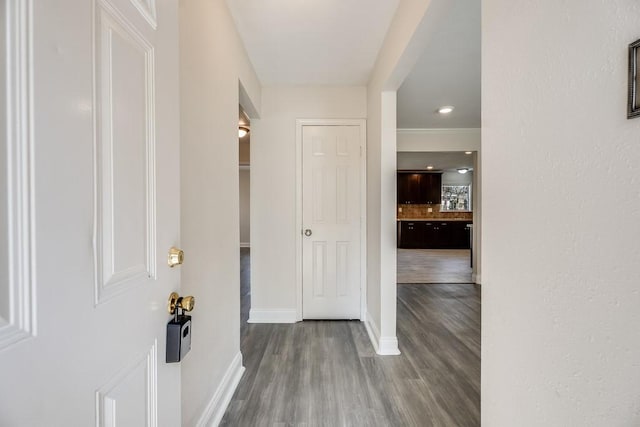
(176, 257)
(178, 302)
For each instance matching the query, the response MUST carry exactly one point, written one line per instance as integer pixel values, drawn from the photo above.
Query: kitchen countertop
(434, 219)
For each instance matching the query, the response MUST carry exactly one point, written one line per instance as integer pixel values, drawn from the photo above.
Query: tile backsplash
(421, 211)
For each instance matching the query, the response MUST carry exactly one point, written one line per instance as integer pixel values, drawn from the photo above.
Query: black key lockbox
(178, 338)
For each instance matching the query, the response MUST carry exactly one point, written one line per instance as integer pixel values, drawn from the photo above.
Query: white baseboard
(245, 244)
(217, 406)
(384, 346)
(388, 346)
(273, 316)
(373, 332)
(475, 278)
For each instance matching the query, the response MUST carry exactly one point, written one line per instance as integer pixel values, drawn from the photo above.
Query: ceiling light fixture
(429, 167)
(242, 131)
(468, 152)
(463, 170)
(446, 109)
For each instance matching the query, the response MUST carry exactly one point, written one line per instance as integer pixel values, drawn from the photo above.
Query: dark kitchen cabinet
(410, 189)
(419, 188)
(432, 187)
(437, 235)
(411, 234)
(460, 235)
(434, 235)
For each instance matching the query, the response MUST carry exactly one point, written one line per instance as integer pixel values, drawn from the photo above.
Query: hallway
(327, 373)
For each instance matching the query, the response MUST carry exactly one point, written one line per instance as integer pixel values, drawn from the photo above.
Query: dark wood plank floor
(434, 266)
(325, 373)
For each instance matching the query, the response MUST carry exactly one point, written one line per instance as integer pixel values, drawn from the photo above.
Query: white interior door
(89, 208)
(331, 220)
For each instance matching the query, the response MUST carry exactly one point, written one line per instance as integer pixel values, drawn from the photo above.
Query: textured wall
(561, 289)
(273, 185)
(212, 62)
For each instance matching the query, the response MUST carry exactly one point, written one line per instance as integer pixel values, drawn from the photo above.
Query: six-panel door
(331, 212)
(91, 209)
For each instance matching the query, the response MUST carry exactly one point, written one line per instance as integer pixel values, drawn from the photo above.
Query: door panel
(129, 399)
(17, 309)
(331, 211)
(125, 148)
(92, 208)
(319, 269)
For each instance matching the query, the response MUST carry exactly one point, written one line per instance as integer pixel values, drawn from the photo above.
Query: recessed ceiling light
(445, 110)
(468, 152)
(463, 170)
(429, 167)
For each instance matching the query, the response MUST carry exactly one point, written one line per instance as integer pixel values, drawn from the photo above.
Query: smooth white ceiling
(336, 42)
(448, 73)
(313, 42)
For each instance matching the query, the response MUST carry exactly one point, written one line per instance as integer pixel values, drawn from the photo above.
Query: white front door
(331, 221)
(89, 208)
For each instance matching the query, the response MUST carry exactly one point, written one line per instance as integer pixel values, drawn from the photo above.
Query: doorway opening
(435, 217)
(244, 188)
(438, 119)
(437, 209)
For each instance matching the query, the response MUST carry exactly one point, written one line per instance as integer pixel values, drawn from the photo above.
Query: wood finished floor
(434, 266)
(325, 373)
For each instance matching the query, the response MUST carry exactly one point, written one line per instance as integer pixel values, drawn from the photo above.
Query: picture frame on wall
(633, 109)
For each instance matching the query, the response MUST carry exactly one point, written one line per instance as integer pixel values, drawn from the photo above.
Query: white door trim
(363, 207)
(19, 288)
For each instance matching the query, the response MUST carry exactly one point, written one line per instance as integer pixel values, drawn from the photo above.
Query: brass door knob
(178, 302)
(173, 302)
(176, 257)
(187, 303)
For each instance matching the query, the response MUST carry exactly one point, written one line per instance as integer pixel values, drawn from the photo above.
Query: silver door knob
(308, 232)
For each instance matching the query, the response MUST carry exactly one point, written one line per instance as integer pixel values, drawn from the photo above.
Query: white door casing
(332, 199)
(90, 165)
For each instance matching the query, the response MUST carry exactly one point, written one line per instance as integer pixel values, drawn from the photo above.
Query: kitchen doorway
(435, 216)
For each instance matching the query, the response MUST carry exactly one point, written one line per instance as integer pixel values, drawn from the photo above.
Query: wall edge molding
(218, 403)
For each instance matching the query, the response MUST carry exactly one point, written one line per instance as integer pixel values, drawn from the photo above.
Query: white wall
(245, 207)
(405, 41)
(462, 139)
(455, 178)
(213, 61)
(273, 188)
(561, 287)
